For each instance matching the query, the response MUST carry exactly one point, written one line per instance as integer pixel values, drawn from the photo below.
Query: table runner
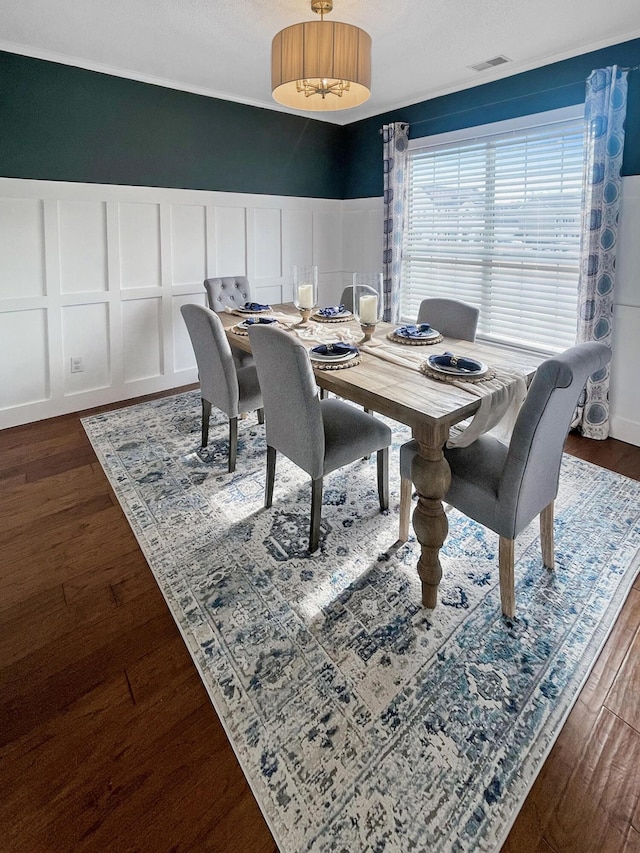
(500, 397)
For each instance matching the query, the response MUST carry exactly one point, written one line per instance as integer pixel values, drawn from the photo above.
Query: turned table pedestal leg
(431, 476)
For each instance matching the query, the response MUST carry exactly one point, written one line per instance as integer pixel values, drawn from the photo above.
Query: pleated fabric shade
(321, 65)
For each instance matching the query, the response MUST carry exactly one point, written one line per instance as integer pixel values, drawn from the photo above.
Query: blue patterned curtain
(395, 139)
(605, 111)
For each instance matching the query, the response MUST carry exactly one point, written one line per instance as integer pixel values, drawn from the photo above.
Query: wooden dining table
(429, 407)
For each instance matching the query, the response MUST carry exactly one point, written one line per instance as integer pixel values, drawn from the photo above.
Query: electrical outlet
(76, 364)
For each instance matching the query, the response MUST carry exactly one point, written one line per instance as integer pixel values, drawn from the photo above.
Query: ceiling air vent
(490, 63)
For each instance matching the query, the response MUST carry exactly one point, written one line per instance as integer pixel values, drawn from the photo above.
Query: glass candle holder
(367, 301)
(305, 291)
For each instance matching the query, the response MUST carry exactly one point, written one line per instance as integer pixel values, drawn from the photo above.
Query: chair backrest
(454, 319)
(290, 395)
(347, 295)
(216, 370)
(231, 291)
(531, 472)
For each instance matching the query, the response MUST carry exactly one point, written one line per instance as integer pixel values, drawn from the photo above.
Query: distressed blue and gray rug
(362, 721)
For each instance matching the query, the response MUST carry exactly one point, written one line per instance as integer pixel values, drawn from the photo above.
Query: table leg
(431, 476)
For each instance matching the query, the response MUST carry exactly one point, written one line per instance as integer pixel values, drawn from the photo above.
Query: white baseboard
(625, 430)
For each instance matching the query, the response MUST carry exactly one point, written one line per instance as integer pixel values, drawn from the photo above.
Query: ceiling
(222, 48)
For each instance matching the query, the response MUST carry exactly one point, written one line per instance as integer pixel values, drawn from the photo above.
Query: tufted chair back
(232, 291)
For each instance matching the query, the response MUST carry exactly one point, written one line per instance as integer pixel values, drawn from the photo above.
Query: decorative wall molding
(99, 272)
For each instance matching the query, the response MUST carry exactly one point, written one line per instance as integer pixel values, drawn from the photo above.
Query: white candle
(305, 295)
(368, 309)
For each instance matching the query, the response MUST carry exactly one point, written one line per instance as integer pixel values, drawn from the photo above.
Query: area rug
(362, 721)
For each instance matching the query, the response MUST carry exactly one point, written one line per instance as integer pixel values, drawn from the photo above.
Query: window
(494, 220)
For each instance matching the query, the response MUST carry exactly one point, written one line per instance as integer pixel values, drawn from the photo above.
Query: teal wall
(62, 123)
(561, 84)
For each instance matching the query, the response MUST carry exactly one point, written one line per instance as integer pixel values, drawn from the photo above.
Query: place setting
(446, 367)
(243, 327)
(419, 334)
(333, 314)
(250, 309)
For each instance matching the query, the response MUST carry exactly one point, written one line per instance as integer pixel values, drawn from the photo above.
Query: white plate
(456, 371)
(316, 356)
(433, 333)
(244, 325)
(253, 310)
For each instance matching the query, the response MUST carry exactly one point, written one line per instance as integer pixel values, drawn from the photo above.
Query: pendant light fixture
(321, 65)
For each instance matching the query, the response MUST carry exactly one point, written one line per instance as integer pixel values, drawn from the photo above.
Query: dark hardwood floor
(108, 740)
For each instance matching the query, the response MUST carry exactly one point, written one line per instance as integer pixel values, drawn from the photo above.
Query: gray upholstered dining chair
(230, 292)
(451, 317)
(223, 385)
(504, 487)
(319, 436)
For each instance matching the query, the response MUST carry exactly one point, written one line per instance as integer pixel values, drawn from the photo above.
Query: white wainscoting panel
(142, 353)
(82, 228)
(24, 373)
(188, 243)
(85, 332)
(21, 248)
(624, 395)
(362, 239)
(267, 244)
(230, 241)
(139, 245)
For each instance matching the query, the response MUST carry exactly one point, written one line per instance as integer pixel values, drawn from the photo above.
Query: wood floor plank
(623, 698)
(597, 806)
(632, 841)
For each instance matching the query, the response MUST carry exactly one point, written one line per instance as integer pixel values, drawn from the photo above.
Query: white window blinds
(495, 221)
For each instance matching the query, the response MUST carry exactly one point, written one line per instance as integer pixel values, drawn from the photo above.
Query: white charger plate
(433, 333)
(316, 356)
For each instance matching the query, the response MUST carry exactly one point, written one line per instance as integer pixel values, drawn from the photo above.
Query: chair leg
(206, 414)
(507, 583)
(271, 475)
(546, 536)
(383, 478)
(260, 416)
(323, 393)
(233, 443)
(316, 514)
(406, 487)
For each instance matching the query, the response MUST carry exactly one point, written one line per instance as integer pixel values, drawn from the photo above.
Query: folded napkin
(331, 311)
(339, 348)
(255, 306)
(448, 359)
(266, 320)
(422, 330)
